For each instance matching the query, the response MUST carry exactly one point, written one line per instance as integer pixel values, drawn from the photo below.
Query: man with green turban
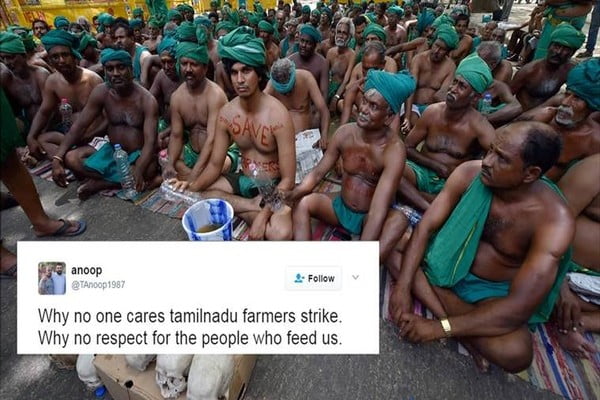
(138, 13)
(61, 22)
(265, 32)
(174, 16)
(425, 20)
(539, 80)
(154, 26)
(223, 28)
(58, 37)
(137, 25)
(454, 120)
(131, 112)
(307, 58)
(395, 32)
(374, 31)
(88, 46)
(106, 21)
(186, 32)
(241, 45)
(305, 18)
(124, 40)
(447, 34)
(187, 12)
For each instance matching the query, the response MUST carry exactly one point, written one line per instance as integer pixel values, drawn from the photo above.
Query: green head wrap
(254, 18)
(584, 81)
(225, 25)
(138, 12)
(185, 8)
(286, 87)
(395, 88)
(476, 72)
(242, 46)
(230, 15)
(58, 37)
(186, 32)
(266, 26)
(565, 34)
(61, 22)
(327, 10)
(308, 29)
(174, 14)
(316, 12)
(190, 50)
(375, 29)
(153, 22)
(425, 19)
(135, 23)
(305, 10)
(441, 20)
(25, 34)
(11, 43)
(167, 44)
(214, 3)
(85, 41)
(105, 19)
(203, 21)
(202, 35)
(399, 11)
(447, 34)
(109, 54)
(408, 3)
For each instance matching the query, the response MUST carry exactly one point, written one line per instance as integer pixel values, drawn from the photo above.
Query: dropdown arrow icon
(355, 277)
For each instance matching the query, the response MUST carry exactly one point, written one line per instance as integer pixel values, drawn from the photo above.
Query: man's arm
(324, 79)
(414, 69)
(464, 46)
(146, 66)
(349, 100)
(512, 108)
(580, 184)
(485, 132)
(319, 102)
(402, 47)
(520, 79)
(349, 59)
(417, 135)
(286, 151)
(155, 89)
(393, 166)
(149, 148)
(47, 108)
(176, 137)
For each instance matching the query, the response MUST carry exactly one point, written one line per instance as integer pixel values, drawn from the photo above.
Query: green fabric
(442, 20)
(11, 43)
(58, 37)
(185, 8)
(186, 32)
(399, 11)
(167, 44)
(244, 186)
(476, 72)
(375, 29)
(85, 41)
(153, 22)
(26, 36)
(350, 220)
(492, 109)
(193, 51)
(135, 23)
(452, 249)
(61, 22)
(395, 88)
(476, 43)
(242, 46)
(333, 88)
(189, 155)
(109, 54)
(447, 34)
(584, 81)
(308, 29)
(427, 180)
(105, 19)
(9, 134)
(472, 289)
(202, 35)
(138, 12)
(102, 161)
(305, 10)
(137, 65)
(425, 19)
(158, 8)
(285, 87)
(566, 35)
(574, 267)
(316, 12)
(266, 27)
(230, 15)
(552, 21)
(225, 25)
(174, 14)
(204, 21)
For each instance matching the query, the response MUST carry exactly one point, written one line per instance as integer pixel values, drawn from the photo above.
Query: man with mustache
(132, 114)
(452, 132)
(262, 128)
(341, 61)
(194, 110)
(574, 117)
(492, 250)
(124, 40)
(539, 80)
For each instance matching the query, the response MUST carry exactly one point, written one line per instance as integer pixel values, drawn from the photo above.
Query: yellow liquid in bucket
(208, 228)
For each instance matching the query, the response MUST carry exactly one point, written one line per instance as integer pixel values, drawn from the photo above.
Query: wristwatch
(446, 327)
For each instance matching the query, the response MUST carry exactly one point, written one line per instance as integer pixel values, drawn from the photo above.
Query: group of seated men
(485, 180)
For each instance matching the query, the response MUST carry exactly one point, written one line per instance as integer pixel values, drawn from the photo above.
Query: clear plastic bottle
(170, 194)
(66, 113)
(266, 188)
(486, 103)
(127, 180)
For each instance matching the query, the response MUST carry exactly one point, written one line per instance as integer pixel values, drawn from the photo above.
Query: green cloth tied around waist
(350, 220)
(102, 161)
(427, 180)
(574, 267)
(190, 157)
(451, 251)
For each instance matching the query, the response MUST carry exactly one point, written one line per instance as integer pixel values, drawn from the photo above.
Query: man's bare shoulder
(213, 89)
(275, 108)
(421, 58)
(463, 175)
(90, 76)
(555, 208)
(529, 68)
(433, 110)
(40, 72)
(231, 109)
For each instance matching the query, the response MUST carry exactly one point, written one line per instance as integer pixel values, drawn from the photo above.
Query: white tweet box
(201, 298)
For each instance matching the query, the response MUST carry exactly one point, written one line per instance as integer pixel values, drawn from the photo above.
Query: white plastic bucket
(209, 212)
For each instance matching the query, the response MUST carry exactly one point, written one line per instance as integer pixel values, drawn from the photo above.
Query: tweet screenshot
(198, 298)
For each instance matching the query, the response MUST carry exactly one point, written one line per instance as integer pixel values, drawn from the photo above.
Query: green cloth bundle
(395, 88)
(242, 46)
(109, 54)
(566, 35)
(58, 37)
(476, 72)
(375, 29)
(441, 20)
(584, 81)
(11, 43)
(308, 29)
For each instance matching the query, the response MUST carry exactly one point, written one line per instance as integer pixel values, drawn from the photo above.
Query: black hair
(541, 147)
(261, 71)
(35, 21)
(120, 24)
(213, 15)
(462, 17)
(359, 20)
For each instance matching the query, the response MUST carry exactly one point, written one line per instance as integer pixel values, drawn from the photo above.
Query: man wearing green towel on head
(307, 58)
(494, 247)
(263, 130)
(132, 113)
(452, 132)
(541, 79)
(265, 32)
(194, 110)
(139, 54)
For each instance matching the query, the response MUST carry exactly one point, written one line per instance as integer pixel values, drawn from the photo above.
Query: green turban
(202, 35)
(138, 12)
(135, 23)
(26, 36)
(225, 25)
(316, 12)
(375, 29)
(203, 21)
(230, 15)
(266, 26)
(105, 19)
(174, 14)
(476, 72)
(408, 3)
(186, 32)
(85, 41)
(395, 88)
(185, 8)
(167, 44)
(305, 9)
(58, 37)
(254, 18)
(242, 46)
(447, 34)
(442, 19)
(214, 3)
(584, 81)
(565, 34)
(61, 22)
(11, 43)
(193, 51)
(109, 54)
(399, 11)
(327, 10)
(425, 19)
(308, 29)
(153, 22)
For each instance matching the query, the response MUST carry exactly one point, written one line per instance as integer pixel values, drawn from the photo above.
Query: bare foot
(26, 158)
(576, 344)
(482, 364)
(8, 262)
(93, 186)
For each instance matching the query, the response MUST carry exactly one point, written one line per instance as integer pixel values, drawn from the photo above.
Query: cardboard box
(126, 383)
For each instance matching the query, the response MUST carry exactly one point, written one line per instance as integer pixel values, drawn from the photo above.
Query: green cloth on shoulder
(137, 65)
(9, 134)
(451, 251)
(102, 161)
(427, 180)
(350, 220)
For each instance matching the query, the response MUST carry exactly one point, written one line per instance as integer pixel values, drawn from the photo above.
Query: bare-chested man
(105, 36)
(503, 71)
(132, 114)
(375, 33)
(90, 57)
(434, 71)
(262, 128)
(465, 41)
(341, 61)
(373, 159)
(453, 132)
(297, 89)
(395, 32)
(70, 82)
(306, 57)
(139, 54)
(505, 257)
(575, 314)
(154, 32)
(539, 80)
(194, 109)
(265, 32)
(574, 117)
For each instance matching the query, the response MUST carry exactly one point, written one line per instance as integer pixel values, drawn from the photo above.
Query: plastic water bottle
(186, 196)
(127, 181)
(100, 393)
(66, 114)
(266, 188)
(486, 103)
